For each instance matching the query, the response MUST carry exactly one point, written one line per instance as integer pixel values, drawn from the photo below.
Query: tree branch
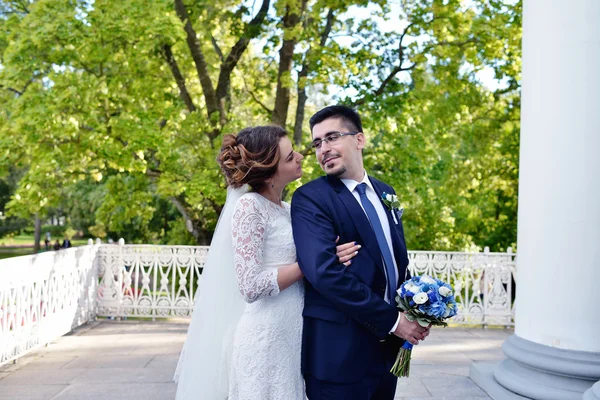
(286, 57)
(397, 69)
(11, 90)
(513, 85)
(189, 222)
(29, 82)
(302, 96)
(199, 59)
(216, 47)
(251, 30)
(260, 103)
(23, 6)
(183, 92)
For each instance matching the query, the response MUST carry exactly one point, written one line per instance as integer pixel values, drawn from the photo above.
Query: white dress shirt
(381, 212)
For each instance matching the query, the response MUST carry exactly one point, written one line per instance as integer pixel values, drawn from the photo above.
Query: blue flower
(437, 309)
(432, 302)
(433, 295)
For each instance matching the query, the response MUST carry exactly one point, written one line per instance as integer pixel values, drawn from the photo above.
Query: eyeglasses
(331, 138)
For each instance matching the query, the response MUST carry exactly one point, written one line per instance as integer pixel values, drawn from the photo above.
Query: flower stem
(401, 367)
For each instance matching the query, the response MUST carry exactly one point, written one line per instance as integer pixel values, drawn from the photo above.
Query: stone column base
(541, 372)
(592, 393)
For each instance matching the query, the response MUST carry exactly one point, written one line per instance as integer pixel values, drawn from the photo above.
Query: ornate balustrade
(148, 281)
(44, 296)
(483, 282)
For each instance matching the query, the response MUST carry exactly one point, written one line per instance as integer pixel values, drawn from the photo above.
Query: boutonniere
(391, 201)
(393, 204)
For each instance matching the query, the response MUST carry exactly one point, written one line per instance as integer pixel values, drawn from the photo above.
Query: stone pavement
(136, 360)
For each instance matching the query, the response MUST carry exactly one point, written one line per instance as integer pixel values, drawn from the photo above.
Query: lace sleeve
(248, 231)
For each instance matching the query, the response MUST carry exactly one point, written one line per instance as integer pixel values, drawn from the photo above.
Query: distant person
(47, 241)
(66, 243)
(57, 245)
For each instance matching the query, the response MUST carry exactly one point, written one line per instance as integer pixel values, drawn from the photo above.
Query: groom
(352, 329)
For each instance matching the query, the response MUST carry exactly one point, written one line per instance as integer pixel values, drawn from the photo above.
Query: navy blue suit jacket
(346, 318)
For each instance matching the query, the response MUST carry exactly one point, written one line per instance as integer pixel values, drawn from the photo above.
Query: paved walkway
(136, 360)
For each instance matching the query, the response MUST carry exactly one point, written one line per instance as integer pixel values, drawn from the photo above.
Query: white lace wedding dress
(265, 361)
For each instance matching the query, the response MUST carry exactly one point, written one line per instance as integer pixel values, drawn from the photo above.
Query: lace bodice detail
(262, 243)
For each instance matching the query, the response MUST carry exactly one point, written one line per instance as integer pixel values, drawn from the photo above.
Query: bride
(244, 347)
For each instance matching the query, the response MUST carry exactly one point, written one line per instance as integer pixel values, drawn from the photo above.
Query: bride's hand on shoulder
(347, 251)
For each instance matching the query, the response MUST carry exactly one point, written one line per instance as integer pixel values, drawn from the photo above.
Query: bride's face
(290, 163)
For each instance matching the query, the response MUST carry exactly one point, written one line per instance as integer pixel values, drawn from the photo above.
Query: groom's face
(341, 158)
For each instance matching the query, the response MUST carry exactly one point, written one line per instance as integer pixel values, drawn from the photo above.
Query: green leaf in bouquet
(403, 304)
(410, 317)
(423, 322)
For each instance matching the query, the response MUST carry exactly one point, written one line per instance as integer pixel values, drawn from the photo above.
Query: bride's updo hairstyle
(251, 157)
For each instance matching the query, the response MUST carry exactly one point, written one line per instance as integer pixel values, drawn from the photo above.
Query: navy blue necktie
(388, 261)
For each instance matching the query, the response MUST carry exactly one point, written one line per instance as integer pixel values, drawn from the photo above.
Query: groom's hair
(348, 115)
(252, 156)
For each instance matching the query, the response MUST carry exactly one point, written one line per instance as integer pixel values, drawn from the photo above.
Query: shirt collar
(351, 184)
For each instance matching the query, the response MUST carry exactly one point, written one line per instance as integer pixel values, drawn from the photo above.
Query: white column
(555, 353)
(559, 177)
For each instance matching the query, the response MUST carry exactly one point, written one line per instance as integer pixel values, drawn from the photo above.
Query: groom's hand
(412, 332)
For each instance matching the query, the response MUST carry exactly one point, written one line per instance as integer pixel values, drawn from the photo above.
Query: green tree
(135, 97)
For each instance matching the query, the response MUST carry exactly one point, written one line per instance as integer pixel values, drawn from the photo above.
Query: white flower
(420, 298)
(428, 280)
(414, 289)
(444, 291)
(389, 197)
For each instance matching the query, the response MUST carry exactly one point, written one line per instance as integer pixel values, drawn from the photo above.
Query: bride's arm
(288, 274)
(248, 232)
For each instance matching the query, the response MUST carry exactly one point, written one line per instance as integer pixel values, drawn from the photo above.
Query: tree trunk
(251, 31)
(199, 59)
(37, 234)
(300, 106)
(304, 74)
(286, 57)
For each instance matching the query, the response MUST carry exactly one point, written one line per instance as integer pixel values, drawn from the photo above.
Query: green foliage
(93, 112)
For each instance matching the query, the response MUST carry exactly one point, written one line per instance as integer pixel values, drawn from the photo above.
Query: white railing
(147, 280)
(44, 296)
(160, 281)
(483, 283)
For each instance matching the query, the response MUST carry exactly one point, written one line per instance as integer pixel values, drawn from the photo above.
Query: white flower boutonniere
(393, 204)
(391, 201)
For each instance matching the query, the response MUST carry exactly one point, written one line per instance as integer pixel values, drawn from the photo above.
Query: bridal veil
(202, 370)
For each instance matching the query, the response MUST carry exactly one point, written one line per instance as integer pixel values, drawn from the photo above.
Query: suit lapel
(360, 220)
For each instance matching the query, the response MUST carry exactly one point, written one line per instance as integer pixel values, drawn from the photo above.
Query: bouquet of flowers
(426, 300)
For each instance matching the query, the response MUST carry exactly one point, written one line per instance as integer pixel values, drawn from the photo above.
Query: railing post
(486, 285)
(121, 265)
(512, 277)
